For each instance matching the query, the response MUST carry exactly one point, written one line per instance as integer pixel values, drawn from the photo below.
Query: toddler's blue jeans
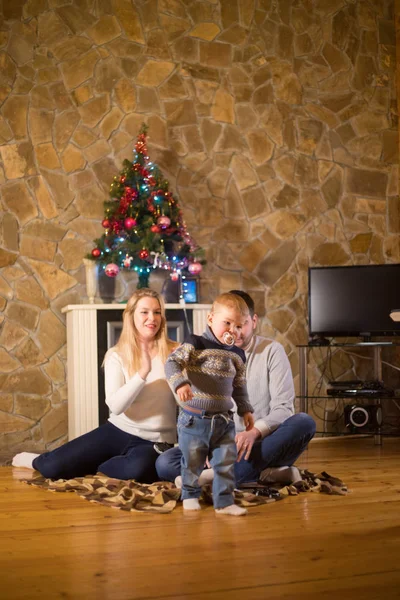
(207, 435)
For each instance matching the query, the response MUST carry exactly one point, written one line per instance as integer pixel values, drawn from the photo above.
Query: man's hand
(184, 392)
(245, 441)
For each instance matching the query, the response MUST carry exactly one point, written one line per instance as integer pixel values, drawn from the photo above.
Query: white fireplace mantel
(82, 343)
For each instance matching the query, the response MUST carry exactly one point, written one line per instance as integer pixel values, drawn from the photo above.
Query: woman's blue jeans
(107, 449)
(280, 448)
(212, 436)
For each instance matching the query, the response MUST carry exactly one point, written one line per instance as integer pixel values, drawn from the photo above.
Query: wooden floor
(312, 546)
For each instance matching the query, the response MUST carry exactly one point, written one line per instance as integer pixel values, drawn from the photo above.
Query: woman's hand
(184, 392)
(145, 360)
(245, 441)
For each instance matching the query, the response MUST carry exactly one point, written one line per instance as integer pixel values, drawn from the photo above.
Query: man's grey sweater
(215, 372)
(270, 385)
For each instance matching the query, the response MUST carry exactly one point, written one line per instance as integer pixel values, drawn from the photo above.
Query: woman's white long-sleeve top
(145, 408)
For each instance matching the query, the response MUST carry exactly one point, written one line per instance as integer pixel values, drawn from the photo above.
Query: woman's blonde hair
(128, 346)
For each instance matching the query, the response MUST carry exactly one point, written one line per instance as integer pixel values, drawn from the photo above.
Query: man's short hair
(233, 301)
(248, 299)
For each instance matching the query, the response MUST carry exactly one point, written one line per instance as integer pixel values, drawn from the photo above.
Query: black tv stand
(304, 350)
(319, 341)
(371, 343)
(366, 338)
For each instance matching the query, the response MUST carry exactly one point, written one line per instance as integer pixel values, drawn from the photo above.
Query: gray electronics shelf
(303, 350)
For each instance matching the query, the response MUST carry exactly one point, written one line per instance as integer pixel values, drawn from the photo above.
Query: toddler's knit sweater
(216, 373)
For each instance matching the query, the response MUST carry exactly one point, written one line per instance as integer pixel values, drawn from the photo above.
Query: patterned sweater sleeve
(175, 367)
(239, 393)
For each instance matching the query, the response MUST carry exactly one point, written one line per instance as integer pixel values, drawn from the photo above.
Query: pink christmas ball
(174, 276)
(129, 223)
(163, 221)
(112, 270)
(195, 268)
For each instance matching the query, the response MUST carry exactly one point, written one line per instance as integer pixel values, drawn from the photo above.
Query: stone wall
(275, 122)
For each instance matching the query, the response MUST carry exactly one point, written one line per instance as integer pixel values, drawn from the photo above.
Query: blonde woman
(142, 406)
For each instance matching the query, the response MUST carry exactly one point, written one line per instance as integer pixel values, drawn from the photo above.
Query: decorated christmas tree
(143, 224)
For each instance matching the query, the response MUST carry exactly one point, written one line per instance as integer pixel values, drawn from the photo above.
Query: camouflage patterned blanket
(163, 496)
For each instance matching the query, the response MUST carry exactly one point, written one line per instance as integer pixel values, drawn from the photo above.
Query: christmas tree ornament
(143, 254)
(155, 229)
(174, 276)
(96, 252)
(111, 270)
(117, 227)
(127, 261)
(105, 223)
(129, 223)
(195, 268)
(163, 221)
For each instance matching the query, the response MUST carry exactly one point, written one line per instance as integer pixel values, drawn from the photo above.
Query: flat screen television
(353, 301)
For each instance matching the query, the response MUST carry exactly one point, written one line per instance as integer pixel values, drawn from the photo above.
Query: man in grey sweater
(268, 451)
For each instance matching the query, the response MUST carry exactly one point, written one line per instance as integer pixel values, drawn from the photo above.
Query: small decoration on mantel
(91, 280)
(143, 224)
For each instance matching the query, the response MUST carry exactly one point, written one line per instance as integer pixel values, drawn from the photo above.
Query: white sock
(206, 476)
(233, 509)
(24, 459)
(191, 504)
(280, 475)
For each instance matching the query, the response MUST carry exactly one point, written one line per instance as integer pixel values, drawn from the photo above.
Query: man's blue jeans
(280, 448)
(213, 436)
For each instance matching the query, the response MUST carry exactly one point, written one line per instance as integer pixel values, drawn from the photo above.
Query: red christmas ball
(143, 254)
(129, 223)
(174, 276)
(112, 270)
(96, 252)
(163, 221)
(195, 268)
(155, 229)
(105, 223)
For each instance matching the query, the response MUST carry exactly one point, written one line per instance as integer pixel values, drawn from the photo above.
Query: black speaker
(359, 417)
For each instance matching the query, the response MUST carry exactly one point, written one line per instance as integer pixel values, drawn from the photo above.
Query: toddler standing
(205, 373)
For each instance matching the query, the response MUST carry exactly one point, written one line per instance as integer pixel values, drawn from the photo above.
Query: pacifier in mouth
(228, 338)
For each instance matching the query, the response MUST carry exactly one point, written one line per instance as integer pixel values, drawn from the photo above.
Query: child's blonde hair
(231, 301)
(128, 346)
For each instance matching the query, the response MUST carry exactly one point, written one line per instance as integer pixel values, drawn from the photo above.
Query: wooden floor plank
(57, 545)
